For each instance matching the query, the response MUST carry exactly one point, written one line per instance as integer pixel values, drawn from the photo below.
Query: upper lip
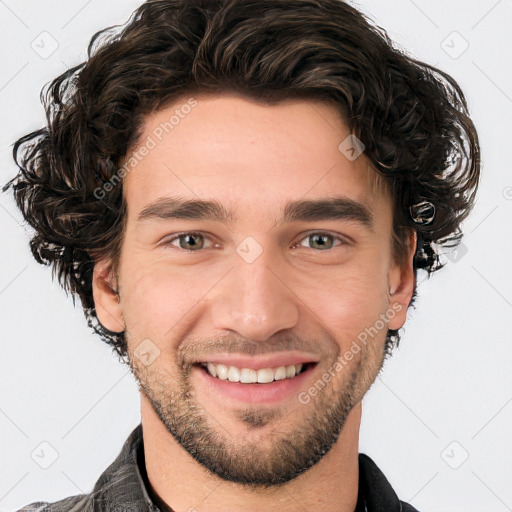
(257, 362)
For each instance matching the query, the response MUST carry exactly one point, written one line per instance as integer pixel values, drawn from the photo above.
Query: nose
(255, 300)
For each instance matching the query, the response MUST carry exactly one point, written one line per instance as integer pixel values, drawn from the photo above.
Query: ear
(401, 284)
(106, 298)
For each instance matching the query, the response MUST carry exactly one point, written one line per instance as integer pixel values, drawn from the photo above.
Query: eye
(195, 241)
(321, 241)
(191, 242)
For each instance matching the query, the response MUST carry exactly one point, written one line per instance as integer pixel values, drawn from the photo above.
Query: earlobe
(106, 298)
(402, 285)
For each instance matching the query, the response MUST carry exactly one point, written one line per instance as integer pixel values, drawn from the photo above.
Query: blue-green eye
(321, 241)
(195, 241)
(191, 242)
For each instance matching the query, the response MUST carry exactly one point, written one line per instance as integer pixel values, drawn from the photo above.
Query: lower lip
(271, 393)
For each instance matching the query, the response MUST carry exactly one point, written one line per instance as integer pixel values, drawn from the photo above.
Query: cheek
(351, 300)
(156, 297)
(161, 301)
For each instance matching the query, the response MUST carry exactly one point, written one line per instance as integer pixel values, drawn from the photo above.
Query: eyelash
(306, 235)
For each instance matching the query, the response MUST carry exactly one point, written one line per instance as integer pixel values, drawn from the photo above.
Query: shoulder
(78, 503)
(405, 507)
(118, 489)
(376, 489)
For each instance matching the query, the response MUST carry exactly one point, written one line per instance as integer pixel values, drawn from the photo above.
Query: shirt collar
(121, 486)
(124, 484)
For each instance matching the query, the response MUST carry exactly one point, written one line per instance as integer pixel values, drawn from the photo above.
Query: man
(241, 194)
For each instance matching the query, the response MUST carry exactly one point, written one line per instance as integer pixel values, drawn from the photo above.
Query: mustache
(193, 349)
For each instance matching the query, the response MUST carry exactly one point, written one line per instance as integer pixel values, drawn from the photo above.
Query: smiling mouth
(251, 376)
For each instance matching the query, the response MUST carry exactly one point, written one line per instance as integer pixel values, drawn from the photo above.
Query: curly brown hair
(411, 117)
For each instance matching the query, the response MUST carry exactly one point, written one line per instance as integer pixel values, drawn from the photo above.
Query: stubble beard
(277, 453)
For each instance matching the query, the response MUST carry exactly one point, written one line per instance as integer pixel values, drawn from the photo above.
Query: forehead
(251, 157)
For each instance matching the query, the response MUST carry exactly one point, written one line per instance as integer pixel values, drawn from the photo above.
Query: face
(257, 251)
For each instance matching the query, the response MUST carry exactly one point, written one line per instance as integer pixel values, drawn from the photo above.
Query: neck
(179, 483)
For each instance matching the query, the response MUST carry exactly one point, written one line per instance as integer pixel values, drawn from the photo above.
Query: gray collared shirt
(123, 487)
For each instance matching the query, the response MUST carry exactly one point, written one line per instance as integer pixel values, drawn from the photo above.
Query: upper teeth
(250, 376)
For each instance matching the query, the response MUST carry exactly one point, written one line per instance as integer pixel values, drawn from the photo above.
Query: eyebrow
(329, 208)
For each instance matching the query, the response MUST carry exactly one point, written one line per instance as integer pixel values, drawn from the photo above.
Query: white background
(445, 395)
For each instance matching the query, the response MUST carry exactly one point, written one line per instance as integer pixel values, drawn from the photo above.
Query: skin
(253, 158)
